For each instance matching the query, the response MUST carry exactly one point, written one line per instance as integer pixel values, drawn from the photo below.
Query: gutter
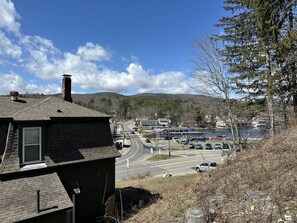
(8, 141)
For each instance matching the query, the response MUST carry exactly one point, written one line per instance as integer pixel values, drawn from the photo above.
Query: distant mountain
(188, 108)
(150, 105)
(186, 98)
(87, 97)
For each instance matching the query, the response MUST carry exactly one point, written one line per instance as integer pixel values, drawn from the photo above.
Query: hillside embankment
(259, 185)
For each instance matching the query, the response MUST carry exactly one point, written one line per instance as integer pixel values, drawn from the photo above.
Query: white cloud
(8, 48)
(135, 79)
(14, 82)
(43, 89)
(93, 52)
(38, 43)
(39, 57)
(8, 16)
(11, 82)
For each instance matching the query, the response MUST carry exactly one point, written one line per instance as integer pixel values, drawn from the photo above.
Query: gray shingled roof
(43, 109)
(18, 197)
(148, 122)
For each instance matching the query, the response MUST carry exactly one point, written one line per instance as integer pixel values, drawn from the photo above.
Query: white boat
(221, 124)
(259, 123)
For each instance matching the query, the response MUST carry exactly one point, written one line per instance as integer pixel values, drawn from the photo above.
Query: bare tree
(211, 78)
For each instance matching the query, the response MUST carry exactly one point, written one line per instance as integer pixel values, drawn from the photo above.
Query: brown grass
(269, 167)
(176, 195)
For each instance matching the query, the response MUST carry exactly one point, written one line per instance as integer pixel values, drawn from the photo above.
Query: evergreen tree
(124, 106)
(251, 39)
(287, 50)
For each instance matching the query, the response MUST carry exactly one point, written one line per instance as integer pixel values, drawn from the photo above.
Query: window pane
(31, 153)
(31, 136)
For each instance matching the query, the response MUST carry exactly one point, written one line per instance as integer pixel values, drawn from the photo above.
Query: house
(164, 122)
(148, 124)
(57, 160)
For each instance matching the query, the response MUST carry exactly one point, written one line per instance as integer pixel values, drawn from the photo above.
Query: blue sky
(123, 46)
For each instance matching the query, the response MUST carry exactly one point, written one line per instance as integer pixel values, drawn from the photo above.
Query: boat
(221, 124)
(259, 123)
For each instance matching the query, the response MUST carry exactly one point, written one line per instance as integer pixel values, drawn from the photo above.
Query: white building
(164, 122)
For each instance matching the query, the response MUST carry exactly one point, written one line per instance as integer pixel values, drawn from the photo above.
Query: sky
(122, 46)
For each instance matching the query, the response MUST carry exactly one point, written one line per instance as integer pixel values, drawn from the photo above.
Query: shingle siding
(68, 136)
(74, 141)
(63, 143)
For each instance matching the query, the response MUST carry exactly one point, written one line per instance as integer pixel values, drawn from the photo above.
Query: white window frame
(40, 143)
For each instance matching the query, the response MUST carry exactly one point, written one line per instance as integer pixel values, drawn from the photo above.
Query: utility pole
(168, 136)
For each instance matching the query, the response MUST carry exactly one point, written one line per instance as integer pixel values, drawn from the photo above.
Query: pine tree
(251, 47)
(287, 51)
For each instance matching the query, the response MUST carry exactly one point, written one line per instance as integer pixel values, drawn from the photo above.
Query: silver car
(205, 166)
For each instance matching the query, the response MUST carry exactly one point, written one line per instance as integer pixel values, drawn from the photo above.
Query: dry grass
(176, 195)
(269, 167)
(157, 157)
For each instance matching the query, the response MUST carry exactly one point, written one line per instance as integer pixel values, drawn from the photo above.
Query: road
(140, 151)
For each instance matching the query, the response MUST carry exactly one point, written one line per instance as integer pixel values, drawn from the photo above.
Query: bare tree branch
(211, 78)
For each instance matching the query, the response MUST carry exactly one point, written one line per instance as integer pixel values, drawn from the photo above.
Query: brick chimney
(66, 88)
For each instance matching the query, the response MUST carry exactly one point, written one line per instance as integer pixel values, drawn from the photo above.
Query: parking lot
(205, 144)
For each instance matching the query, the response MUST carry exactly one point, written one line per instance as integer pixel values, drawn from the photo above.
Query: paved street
(140, 151)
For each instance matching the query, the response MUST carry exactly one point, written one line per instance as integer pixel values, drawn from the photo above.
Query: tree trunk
(270, 93)
(238, 135)
(285, 115)
(271, 114)
(294, 102)
(235, 134)
(232, 132)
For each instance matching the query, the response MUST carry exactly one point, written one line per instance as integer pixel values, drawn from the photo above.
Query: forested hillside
(179, 107)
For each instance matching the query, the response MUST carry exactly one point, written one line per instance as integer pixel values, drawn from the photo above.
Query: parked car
(192, 139)
(217, 138)
(191, 145)
(205, 166)
(201, 138)
(218, 146)
(208, 146)
(119, 145)
(198, 146)
(182, 140)
(147, 141)
(226, 146)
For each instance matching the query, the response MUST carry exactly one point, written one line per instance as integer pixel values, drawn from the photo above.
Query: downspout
(9, 135)
(73, 209)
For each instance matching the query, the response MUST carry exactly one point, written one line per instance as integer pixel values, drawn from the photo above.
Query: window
(31, 145)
